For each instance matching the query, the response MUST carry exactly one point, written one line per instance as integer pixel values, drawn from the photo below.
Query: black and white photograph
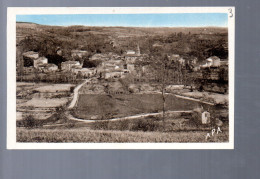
(120, 78)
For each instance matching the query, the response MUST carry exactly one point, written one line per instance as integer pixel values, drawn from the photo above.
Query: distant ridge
(215, 27)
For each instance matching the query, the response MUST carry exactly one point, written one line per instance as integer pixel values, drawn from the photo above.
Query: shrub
(29, 122)
(100, 125)
(70, 124)
(143, 125)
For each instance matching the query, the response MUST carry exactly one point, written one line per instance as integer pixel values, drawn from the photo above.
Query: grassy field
(125, 105)
(85, 135)
(152, 129)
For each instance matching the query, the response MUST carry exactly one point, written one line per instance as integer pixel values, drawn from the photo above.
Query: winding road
(128, 117)
(76, 94)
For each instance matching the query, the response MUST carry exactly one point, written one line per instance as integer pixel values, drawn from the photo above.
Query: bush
(100, 125)
(29, 122)
(144, 125)
(147, 124)
(70, 124)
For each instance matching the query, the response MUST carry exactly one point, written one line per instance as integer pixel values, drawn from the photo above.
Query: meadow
(110, 106)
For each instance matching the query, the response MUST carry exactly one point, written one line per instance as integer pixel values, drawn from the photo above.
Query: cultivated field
(122, 105)
(40, 99)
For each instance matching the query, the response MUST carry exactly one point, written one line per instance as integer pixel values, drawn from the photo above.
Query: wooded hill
(197, 42)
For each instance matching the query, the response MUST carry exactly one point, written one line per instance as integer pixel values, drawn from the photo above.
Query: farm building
(40, 61)
(29, 57)
(68, 65)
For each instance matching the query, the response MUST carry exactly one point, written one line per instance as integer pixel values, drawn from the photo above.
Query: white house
(130, 52)
(31, 54)
(40, 61)
(212, 62)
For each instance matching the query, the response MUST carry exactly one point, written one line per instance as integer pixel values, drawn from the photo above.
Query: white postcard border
(11, 75)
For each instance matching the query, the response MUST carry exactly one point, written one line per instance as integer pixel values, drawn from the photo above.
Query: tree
(163, 69)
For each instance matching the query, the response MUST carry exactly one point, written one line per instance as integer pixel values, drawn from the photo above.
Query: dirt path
(128, 117)
(193, 99)
(76, 94)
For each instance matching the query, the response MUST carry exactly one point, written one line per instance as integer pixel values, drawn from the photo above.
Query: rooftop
(31, 54)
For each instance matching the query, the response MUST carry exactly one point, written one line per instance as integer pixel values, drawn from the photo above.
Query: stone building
(68, 65)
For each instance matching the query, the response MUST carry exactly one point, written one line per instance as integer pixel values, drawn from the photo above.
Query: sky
(130, 20)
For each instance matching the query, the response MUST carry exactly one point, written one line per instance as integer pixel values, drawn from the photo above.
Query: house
(31, 54)
(49, 67)
(78, 53)
(213, 61)
(111, 65)
(99, 56)
(40, 61)
(86, 72)
(113, 75)
(66, 66)
(130, 52)
(29, 57)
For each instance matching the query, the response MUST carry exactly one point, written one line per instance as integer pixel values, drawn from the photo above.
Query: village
(112, 66)
(127, 74)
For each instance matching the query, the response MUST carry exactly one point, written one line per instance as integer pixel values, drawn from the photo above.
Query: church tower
(138, 50)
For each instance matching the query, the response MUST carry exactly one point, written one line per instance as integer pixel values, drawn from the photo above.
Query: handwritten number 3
(231, 13)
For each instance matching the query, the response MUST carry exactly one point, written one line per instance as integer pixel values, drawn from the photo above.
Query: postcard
(120, 77)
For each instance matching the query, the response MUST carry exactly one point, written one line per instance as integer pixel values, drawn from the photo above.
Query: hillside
(198, 42)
